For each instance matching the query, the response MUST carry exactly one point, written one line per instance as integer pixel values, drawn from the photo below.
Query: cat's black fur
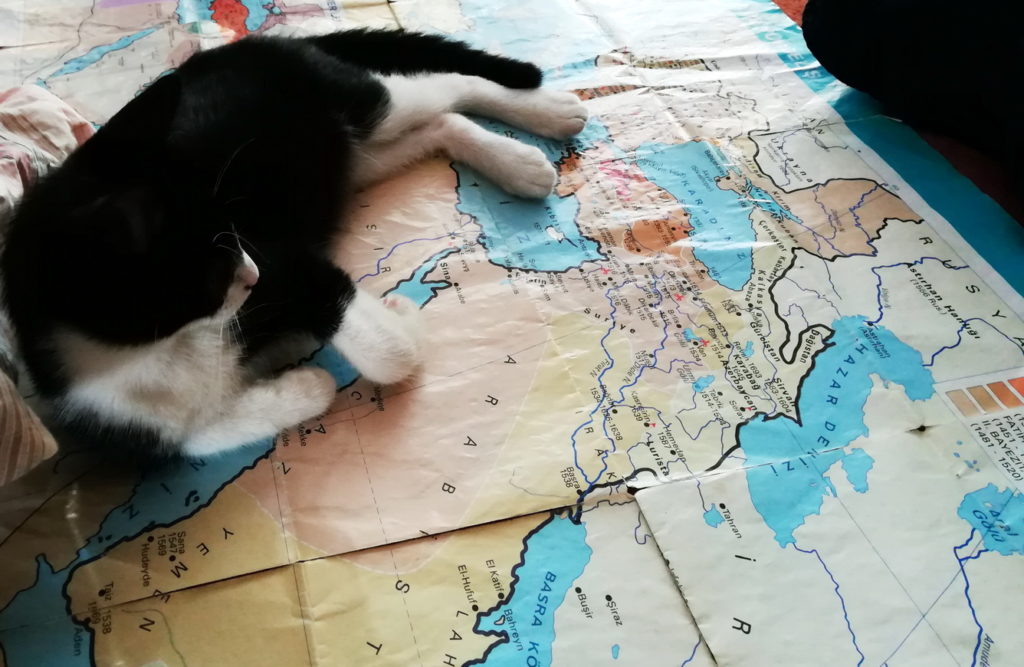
(135, 235)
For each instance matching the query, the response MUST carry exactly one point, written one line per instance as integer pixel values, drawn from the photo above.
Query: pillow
(37, 131)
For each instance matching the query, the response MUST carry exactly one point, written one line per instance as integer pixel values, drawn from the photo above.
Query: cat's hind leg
(519, 169)
(416, 99)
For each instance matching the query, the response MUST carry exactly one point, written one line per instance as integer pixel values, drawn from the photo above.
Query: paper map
(736, 393)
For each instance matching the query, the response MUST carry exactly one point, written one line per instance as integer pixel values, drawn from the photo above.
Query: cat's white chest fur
(176, 384)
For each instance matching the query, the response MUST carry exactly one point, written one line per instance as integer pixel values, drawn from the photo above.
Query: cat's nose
(247, 273)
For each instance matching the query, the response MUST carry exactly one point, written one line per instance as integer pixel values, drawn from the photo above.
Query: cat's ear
(146, 120)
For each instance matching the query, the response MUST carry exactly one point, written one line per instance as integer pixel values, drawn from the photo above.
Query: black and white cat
(152, 276)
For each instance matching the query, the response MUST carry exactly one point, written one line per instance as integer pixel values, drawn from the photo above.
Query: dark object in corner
(952, 66)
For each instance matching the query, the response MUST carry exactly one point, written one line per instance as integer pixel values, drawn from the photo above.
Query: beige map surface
(736, 366)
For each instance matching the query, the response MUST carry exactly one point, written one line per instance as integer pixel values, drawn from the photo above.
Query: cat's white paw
(302, 393)
(524, 171)
(552, 113)
(381, 338)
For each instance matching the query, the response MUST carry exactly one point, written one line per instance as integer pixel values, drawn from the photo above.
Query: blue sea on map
(722, 232)
(515, 231)
(788, 461)
(533, 235)
(51, 641)
(555, 557)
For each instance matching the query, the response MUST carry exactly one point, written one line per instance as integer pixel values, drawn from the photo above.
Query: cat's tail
(399, 52)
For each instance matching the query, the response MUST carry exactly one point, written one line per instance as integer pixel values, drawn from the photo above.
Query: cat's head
(141, 267)
(142, 250)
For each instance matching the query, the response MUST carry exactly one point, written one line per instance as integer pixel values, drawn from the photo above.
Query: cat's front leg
(264, 410)
(381, 338)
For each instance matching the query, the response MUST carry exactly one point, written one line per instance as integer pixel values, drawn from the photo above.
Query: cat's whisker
(236, 329)
(224, 169)
(249, 247)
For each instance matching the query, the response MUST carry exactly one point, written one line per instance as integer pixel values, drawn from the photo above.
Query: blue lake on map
(998, 516)
(554, 558)
(787, 479)
(713, 517)
(703, 383)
